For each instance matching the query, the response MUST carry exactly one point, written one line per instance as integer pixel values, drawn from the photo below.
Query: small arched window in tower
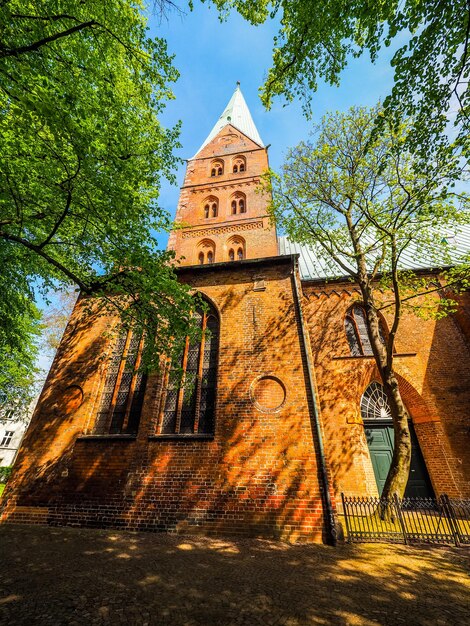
(238, 203)
(238, 164)
(217, 168)
(205, 251)
(190, 406)
(124, 387)
(236, 248)
(234, 207)
(241, 205)
(355, 325)
(211, 206)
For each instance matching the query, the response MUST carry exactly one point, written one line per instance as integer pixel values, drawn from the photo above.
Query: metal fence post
(397, 502)
(446, 505)
(346, 517)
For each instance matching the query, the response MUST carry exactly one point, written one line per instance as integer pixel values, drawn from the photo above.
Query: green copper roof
(238, 114)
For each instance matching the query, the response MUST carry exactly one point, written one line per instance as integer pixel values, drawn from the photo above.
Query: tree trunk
(399, 471)
(400, 468)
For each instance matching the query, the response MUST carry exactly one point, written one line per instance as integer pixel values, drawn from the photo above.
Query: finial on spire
(238, 83)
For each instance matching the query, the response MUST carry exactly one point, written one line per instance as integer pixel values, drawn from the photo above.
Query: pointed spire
(237, 114)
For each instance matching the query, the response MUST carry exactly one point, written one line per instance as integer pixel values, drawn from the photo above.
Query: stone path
(73, 576)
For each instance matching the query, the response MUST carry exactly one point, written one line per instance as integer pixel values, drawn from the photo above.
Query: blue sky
(211, 57)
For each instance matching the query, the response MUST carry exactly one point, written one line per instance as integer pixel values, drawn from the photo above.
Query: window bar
(358, 334)
(199, 374)
(181, 390)
(122, 365)
(130, 396)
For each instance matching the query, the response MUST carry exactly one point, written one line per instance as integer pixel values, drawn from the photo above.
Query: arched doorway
(378, 426)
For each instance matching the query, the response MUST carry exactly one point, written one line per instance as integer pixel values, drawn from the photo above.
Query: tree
(83, 153)
(357, 197)
(432, 63)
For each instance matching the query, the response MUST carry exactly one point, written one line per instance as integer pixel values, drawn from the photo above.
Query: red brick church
(287, 411)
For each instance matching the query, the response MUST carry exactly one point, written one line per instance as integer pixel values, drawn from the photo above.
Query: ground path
(73, 576)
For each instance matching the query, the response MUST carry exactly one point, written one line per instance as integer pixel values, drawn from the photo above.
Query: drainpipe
(330, 519)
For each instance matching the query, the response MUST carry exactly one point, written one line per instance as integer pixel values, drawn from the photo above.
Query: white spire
(238, 114)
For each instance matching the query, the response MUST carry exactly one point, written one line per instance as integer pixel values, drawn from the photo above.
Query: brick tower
(222, 215)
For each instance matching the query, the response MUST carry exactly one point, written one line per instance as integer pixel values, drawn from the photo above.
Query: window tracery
(355, 325)
(124, 387)
(374, 403)
(189, 407)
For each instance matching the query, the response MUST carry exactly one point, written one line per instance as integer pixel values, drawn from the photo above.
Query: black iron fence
(408, 520)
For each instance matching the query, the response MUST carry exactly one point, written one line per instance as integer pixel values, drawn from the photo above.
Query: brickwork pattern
(433, 368)
(257, 475)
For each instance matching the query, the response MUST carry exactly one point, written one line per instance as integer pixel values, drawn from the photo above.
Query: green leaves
(432, 63)
(83, 153)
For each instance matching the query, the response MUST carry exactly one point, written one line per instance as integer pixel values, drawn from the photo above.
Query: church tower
(222, 216)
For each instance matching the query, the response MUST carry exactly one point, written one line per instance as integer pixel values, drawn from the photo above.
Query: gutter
(330, 518)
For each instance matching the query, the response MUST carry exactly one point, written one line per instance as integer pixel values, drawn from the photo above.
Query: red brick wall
(253, 226)
(433, 367)
(257, 475)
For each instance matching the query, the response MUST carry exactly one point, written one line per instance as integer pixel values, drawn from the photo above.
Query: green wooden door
(380, 439)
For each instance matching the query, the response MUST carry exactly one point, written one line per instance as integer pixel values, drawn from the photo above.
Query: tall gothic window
(190, 407)
(356, 331)
(124, 387)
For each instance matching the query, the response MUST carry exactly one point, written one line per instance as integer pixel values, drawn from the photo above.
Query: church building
(287, 411)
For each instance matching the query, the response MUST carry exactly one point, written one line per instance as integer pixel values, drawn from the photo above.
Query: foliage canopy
(358, 198)
(432, 63)
(83, 153)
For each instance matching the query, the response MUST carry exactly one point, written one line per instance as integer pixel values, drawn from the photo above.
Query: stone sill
(177, 437)
(117, 437)
(371, 356)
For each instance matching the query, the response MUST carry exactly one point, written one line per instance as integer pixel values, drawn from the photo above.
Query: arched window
(217, 168)
(190, 407)
(374, 403)
(236, 248)
(205, 251)
(124, 387)
(211, 206)
(238, 203)
(238, 164)
(356, 331)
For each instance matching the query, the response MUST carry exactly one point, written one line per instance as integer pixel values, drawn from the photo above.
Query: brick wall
(433, 368)
(257, 475)
(199, 187)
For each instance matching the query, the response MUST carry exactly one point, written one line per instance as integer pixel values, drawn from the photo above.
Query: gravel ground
(76, 576)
